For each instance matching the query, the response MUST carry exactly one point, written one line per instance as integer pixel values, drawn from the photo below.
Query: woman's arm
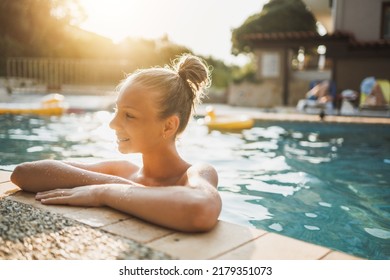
(50, 174)
(193, 206)
(121, 168)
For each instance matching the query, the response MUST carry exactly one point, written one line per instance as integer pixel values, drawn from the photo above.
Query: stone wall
(269, 93)
(262, 95)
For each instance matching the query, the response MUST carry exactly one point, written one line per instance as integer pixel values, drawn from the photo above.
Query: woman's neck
(162, 165)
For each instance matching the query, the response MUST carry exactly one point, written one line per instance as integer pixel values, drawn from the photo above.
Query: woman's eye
(129, 116)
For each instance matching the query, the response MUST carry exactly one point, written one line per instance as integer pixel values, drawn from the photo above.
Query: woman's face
(136, 122)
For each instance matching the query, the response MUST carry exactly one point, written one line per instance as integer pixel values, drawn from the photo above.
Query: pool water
(327, 184)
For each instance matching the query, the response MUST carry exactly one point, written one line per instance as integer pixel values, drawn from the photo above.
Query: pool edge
(226, 241)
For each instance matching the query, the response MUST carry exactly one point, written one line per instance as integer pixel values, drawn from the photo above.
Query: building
(355, 44)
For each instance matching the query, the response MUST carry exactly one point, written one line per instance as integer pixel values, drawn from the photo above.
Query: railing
(53, 73)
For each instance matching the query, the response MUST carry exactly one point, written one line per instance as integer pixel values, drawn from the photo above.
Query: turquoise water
(327, 184)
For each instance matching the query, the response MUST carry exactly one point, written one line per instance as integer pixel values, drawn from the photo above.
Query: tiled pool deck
(226, 242)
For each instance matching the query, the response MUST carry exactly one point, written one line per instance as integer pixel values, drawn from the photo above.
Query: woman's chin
(124, 150)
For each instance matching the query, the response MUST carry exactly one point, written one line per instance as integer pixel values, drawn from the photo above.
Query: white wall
(361, 17)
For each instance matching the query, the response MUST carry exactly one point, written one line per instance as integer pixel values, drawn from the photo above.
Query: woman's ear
(170, 126)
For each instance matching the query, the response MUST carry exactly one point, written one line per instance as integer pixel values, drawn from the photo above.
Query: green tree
(276, 16)
(245, 73)
(221, 74)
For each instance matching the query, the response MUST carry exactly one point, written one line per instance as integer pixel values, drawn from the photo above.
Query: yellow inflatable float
(212, 121)
(51, 104)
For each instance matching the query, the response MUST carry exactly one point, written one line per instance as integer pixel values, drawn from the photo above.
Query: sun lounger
(378, 99)
(319, 98)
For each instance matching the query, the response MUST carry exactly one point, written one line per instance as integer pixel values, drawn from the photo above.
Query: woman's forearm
(49, 174)
(178, 207)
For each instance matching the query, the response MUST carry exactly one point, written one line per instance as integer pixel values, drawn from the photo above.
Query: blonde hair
(182, 86)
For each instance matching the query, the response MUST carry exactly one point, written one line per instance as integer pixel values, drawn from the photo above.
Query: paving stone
(98, 216)
(28, 233)
(4, 176)
(273, 246)
(222, 238)
(7, 189)
(138, 230)
(334, 255)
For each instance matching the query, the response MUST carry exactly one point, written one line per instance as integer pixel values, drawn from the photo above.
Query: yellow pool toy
(227, 122)
(51, 104)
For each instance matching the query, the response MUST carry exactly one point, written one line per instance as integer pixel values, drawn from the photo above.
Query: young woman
(153, 107)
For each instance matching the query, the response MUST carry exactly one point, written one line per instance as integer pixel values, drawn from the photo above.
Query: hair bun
(182, 75)
(195, 73)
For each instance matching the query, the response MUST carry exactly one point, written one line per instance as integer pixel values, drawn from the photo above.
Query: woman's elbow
(17, 174)
(20, 175)
(205, 215)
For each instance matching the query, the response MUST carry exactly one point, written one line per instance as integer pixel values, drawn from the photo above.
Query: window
(385, 23)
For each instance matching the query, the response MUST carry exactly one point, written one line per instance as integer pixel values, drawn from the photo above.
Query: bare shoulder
(122, 168)
(202, 173)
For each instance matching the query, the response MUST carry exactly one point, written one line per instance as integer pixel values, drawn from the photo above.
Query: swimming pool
(327, 184)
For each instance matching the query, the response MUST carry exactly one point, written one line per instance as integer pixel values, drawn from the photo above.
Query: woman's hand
(79, 196)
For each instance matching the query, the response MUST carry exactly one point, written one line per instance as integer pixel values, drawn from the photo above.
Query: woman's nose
(113, 122)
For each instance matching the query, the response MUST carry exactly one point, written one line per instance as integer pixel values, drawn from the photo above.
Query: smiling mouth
(123, 139)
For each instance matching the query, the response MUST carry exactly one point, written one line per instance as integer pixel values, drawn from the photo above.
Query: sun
(203, 26)
(118, 19)
(103, 17)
